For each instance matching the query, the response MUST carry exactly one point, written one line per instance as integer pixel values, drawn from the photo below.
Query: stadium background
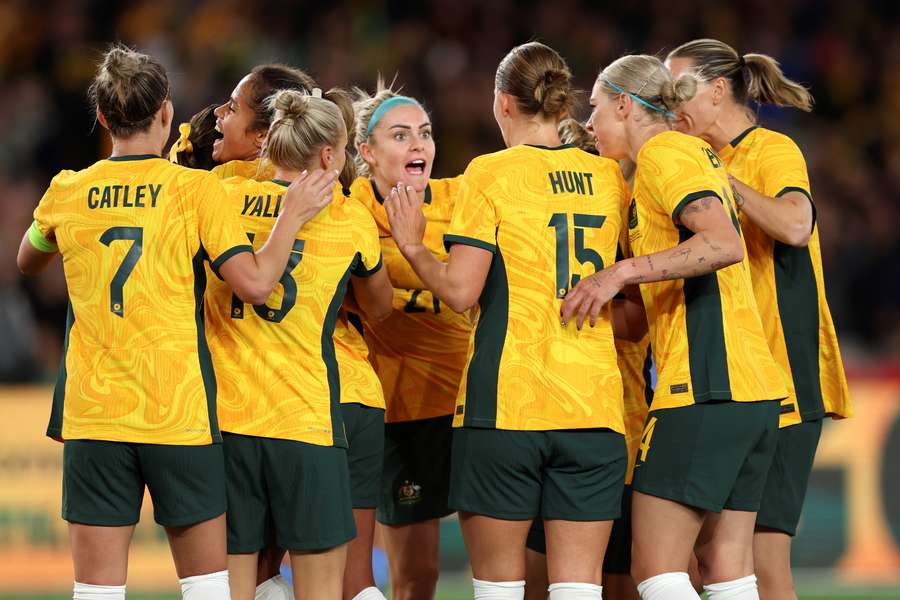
(445, 53)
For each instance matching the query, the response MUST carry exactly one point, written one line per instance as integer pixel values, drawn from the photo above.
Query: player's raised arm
(253, 275)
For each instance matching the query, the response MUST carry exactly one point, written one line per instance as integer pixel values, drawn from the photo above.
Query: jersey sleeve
(783, 169)
(219, 227)
(368, 245)
(42, 231)
(676, 177)
(475, 217)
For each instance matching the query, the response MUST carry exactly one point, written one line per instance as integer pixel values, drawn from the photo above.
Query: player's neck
(534, 133)
(640, 135)
(289, 175)
(732, 121)
(135, 145)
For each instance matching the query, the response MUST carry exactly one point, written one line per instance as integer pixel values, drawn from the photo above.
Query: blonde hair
(575, 133)
(756, 77)
(303, 123)
(538, 78)
(128, 90)
(646, 78)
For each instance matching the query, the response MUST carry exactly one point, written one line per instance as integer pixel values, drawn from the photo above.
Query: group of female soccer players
(255, 327)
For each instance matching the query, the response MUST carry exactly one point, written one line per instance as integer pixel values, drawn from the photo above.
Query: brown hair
(302, 124)
(202, 135)
(128, 90)
(646, 77)
(756, 77)
(575, 133)
(267, 79)
(538, 78)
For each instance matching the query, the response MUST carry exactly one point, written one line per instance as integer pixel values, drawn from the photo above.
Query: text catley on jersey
(276, 364)
(706, 333)
(789, 283)
(549, 216)
(134, 232)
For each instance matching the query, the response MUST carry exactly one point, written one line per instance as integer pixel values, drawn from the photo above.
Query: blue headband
(666, 113)
(384, 107)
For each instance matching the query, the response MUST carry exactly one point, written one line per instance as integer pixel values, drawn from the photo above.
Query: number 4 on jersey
(560, 223)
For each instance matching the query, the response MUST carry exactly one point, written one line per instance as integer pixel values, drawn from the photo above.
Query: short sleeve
(368, 245)
(782, 168)
(675, 177)
(475, 220)
(218, 225)
(43, 229)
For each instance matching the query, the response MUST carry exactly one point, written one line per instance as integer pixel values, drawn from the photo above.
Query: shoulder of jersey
(669, 141)
(361, 191)
(767, 136)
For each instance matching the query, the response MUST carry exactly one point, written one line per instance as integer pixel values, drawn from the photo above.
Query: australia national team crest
(409, 492)
(632, 214)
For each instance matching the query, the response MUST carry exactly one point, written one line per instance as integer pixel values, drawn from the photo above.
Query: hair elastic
(666, 113)
(384, 107)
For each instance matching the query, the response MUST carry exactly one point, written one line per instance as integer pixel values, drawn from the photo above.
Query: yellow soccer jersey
(133, 232)
(259, 169)
(706, 334)
(635, 361)
(359, 383)
(549, 216)
(789, 283)
(420, 350)
(276, 364)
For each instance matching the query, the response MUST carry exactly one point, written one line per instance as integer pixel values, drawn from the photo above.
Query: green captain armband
(38, 240)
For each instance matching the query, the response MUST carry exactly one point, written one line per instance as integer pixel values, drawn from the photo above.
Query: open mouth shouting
(415, 167)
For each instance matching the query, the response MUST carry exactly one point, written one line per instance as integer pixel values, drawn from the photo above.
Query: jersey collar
(133, 157)
(742, 135)
(381, 200)
(560, 147)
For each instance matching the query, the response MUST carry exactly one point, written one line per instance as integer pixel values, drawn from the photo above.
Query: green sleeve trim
(216, 264)
(360, 269)
(805, 192)
(38, 240)
(690, 198)
(449, 240)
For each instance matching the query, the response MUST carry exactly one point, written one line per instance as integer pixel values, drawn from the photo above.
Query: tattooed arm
(714, 245)
(788, 218)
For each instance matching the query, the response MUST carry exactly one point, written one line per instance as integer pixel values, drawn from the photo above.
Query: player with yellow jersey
(635, 365)
(711, 432)
(419, 351)
(135, 403)
(280, 385)
(239, 127)
(774, 199)
(538, 420)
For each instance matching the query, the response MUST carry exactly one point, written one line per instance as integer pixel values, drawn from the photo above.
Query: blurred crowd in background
(445, 53)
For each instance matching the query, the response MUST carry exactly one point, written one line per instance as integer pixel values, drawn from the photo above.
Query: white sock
(499, 590)
(86, 591)
(667, 586)
(739, 589)
(276, 588)
(370, 593)
(575, 591)
(212, 586)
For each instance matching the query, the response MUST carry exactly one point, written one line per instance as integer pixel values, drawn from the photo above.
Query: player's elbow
(253, 292)
(380, 310)
(732, 249)
(798, 234)
(461, 300)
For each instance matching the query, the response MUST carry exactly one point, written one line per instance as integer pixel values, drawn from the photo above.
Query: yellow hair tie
(182, 144)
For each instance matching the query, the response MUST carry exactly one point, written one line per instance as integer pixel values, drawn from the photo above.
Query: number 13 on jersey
(560, 223)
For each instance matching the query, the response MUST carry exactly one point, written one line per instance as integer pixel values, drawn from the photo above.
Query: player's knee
(212, 586)
(418, 580)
